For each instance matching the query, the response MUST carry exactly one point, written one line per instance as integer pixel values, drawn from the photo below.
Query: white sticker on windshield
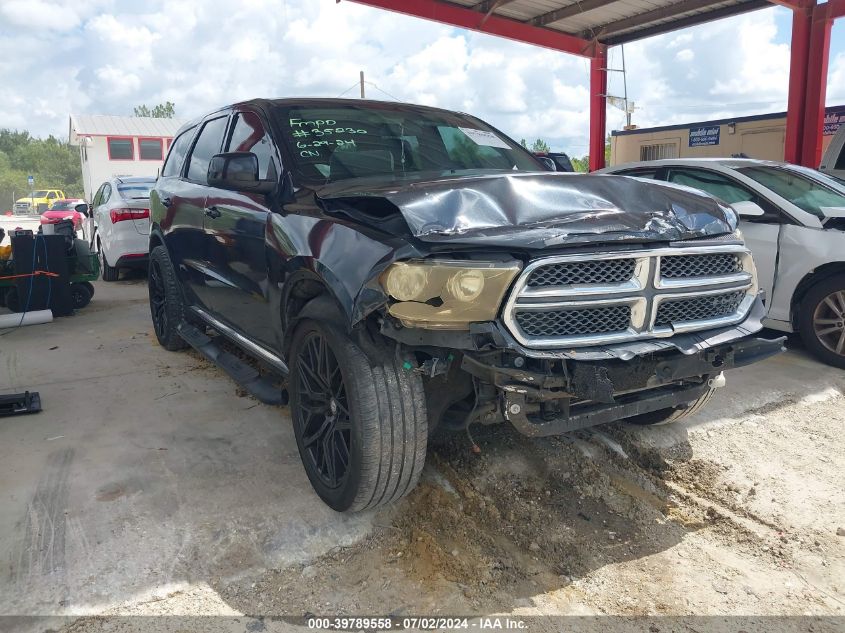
(482, 137)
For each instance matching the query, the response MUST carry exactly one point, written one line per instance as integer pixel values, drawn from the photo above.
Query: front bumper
(595, 392)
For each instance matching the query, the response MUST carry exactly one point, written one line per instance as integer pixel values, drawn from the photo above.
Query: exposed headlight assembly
(447, 295)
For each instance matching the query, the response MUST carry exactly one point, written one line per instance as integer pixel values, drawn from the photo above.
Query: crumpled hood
(539, 210)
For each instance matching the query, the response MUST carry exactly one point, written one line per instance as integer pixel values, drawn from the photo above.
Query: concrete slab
(145, 468)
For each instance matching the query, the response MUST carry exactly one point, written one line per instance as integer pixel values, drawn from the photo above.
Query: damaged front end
(633, 300)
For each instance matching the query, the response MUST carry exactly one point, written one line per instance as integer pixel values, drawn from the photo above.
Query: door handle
(166, 201)
(212, 212)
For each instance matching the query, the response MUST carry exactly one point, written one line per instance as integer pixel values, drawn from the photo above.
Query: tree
(166, 110)
(52, 162)
(540, 146)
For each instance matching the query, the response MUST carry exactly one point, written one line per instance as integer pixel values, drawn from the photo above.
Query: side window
(639, 173)
(98, 197)
(723, 188)
(106, 193)
(248, 135)
(51, 195)
(207, 145)
(176, 157)
(713, 183)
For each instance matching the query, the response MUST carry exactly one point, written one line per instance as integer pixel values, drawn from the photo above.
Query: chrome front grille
(599, 298)
(698, 308)
(589, 272)
(575, 321)
(686, 266)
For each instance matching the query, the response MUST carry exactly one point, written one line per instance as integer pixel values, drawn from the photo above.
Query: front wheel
(821, 321)
(80, 295)
(167, 308)
(359, 419)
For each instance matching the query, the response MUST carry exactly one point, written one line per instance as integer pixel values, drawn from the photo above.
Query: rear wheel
(821, 321)
(109, 273)
(670, 416)
(167, 308)
(359, 419)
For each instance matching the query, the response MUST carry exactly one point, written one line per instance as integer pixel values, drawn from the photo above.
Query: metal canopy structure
(588, 27)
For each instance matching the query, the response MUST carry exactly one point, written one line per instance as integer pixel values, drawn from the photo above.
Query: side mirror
(83, 209)
(237, 171)
(748, 209)
(548, 162)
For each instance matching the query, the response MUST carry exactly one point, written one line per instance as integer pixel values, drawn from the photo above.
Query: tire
(167, 307)
(369, 407)
(109, 273)
(821, 321)
(672, 415)
(80, 296)
(90, 287)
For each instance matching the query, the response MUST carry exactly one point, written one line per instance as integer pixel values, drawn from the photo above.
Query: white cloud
(106, 56)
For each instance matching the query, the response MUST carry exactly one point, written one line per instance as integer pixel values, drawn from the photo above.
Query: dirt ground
(739, 511)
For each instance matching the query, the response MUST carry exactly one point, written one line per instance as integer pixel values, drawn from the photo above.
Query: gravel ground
(740, 516)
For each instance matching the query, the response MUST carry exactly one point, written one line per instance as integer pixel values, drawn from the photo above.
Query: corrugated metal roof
(99, 124)
(612, 21)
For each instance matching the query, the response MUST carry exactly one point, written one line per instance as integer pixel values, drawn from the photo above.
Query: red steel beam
(794, 4)
(598, 108)
(835, 9)
(819, 56)
(456, 15)
(802, 20)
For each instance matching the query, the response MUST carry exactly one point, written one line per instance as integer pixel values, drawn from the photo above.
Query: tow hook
(718, 381)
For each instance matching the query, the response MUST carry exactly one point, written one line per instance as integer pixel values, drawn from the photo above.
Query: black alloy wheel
(321, 412)
(158, 299)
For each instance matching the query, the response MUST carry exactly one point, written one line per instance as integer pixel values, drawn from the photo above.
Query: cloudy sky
(106, 56)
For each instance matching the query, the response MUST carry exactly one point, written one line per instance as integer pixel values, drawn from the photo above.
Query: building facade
(113, 146)
(760, 136)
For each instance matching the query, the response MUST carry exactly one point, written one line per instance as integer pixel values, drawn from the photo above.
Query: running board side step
(246, 376)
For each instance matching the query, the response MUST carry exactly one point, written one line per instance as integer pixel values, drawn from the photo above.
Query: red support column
(799, 58)
(598, 107)
(811, 147)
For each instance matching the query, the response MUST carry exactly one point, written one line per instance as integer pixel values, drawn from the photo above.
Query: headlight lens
(441, 294)
(405, 282)
(466, 285)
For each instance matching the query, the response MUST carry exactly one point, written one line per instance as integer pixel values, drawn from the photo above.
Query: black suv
(395, 269)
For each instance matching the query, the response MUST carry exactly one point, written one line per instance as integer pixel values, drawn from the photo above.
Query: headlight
(449, 295)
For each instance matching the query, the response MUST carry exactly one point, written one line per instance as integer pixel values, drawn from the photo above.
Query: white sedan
(793, 219)
(120, 230)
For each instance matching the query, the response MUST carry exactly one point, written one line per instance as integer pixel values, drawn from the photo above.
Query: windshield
(804, 190)
(63, 205)
(138, 189)
(42, 193)
(352, 141)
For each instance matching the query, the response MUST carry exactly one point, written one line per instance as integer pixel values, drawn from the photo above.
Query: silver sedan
(793, 219)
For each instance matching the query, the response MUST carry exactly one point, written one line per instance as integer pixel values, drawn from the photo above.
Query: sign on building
(833, 118)
(708, 135)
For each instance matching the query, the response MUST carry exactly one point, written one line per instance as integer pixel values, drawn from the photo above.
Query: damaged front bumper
(576, 395)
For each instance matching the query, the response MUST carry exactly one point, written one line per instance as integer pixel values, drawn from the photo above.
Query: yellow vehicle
(38, 202)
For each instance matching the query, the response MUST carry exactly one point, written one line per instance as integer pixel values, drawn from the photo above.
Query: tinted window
(120, 148)
(176, 156)
(248, 135)
(64, 205)
(106, 193)
(207, 145)
(149, 148)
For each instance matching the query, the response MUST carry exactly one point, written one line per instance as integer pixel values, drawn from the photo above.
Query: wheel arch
(814, 277)
(306, 295)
